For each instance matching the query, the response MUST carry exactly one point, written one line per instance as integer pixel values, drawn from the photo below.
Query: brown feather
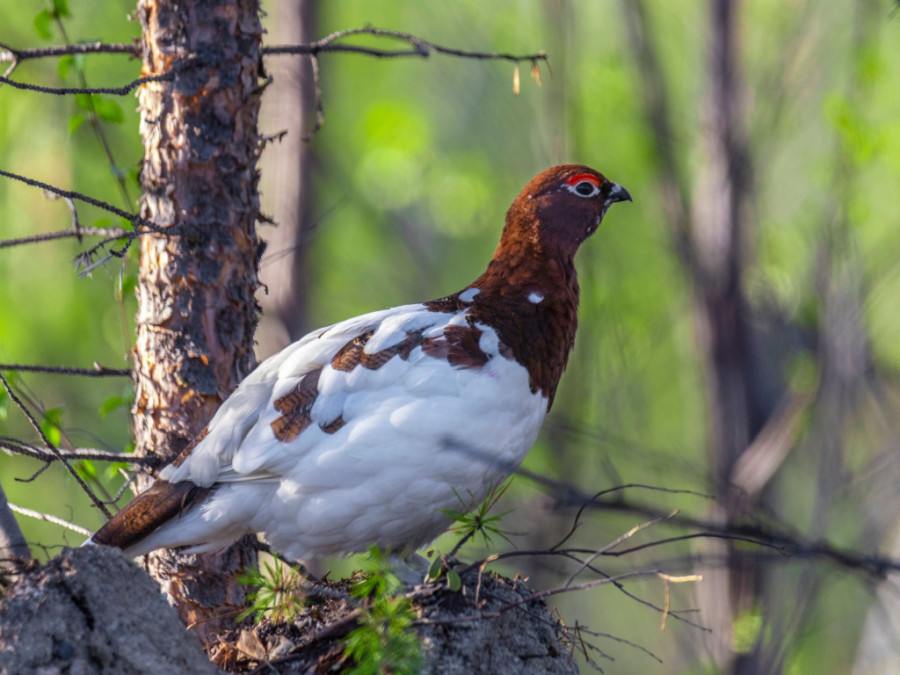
(161, 502)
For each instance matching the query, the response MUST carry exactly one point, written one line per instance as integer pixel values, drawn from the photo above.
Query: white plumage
(417, 433)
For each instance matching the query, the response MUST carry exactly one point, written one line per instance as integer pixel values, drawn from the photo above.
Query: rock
(92, 611)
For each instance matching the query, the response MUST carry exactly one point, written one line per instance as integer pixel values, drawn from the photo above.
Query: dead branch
(47, 518)
(97, 371)
(14, 446)
(54, 450)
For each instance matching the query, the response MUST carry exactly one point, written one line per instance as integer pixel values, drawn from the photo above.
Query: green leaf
(84, 101)
(42, 23)
(110, 404)
(86, 469)
(127, 284)
(75, 122)
(50, 425)
(63, 66)
(434, 571)
(61, 8)
(454, 583)
(109, 110)
(458, 516)
(113, 468)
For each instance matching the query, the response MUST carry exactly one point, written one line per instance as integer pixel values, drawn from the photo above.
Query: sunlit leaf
(75, 121)
(84, 101)
(87, 469)
(61, 8)
(110, 404)
(109, 110)
(50, 425)
(64, 64)
(42, 23)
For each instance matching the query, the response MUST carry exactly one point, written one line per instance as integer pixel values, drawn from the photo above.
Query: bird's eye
(583, 185)
(586, 189)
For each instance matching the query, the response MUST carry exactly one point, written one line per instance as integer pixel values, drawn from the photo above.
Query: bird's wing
(298, 395)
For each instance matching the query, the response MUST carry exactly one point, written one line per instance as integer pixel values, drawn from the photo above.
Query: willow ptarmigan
(362, 432)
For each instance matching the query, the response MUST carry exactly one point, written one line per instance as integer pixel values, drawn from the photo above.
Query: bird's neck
(531, 299)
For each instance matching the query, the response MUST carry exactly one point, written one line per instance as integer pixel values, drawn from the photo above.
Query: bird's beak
(617, 194)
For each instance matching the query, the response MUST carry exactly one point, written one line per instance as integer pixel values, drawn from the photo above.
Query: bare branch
(13, 55)
(15, 446)
(47, 518)
(110, 232)
(37, 427)
(132, 218)
(97, 371)
(418, 47)
(110, 91)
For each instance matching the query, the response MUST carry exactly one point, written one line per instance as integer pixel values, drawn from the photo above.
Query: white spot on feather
(469, 294)
(535, 297)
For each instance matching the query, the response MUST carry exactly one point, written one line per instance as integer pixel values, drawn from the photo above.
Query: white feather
(417, 433)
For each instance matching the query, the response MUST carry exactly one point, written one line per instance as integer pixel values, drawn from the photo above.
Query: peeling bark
(196, 307)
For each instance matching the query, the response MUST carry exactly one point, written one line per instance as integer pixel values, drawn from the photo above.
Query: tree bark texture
(196, 307)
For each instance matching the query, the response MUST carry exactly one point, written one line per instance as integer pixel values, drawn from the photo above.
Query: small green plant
(278, 595)
(470, 523)
(384, 641)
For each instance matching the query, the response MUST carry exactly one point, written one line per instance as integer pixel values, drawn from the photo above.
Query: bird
(367, 431)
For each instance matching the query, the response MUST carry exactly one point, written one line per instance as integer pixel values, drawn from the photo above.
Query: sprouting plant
(384, 641)
(278, 595)
(470, 523)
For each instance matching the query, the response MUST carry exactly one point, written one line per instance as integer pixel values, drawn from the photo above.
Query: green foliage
(4, 401)
(44, 19)
(279, 592)
(477, 521)
(51, 425)
(746, 629)
(42, 23)
(106, 109)
(384, 641)
(440, 566)
(122, 402)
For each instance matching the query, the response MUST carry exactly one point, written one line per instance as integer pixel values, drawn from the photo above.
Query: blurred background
(739, 329)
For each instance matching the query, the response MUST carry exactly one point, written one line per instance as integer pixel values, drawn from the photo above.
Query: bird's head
(561, 207)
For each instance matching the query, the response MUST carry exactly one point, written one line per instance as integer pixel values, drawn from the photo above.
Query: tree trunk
(289, 106)
(722, 220)
(197, 312)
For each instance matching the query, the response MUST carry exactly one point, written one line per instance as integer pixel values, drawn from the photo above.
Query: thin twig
(110, 91)
(47, 518)
(419, 48)
(112, 232)
(15, 446)
(96, 371)
(98, 130)
(37, 427)
(132, 218)
(13, 55)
